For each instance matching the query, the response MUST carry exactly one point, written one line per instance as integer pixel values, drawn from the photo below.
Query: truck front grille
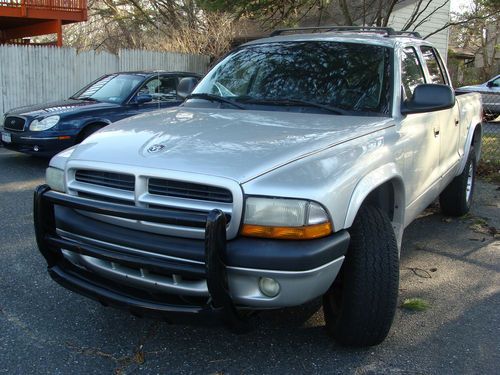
(188, 190)
(131, 186)
(14, 123)
(107, 179)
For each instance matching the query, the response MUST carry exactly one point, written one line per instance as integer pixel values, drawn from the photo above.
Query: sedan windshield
(322, 76)
(114, 88)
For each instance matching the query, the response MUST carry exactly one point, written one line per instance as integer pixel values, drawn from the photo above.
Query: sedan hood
(477, 88)
(235, 144)
(57, 108)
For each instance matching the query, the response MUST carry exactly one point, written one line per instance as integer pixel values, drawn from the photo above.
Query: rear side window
(412, 74)
(434, 65)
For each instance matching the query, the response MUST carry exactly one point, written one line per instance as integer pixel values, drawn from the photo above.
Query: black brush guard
(108, 293)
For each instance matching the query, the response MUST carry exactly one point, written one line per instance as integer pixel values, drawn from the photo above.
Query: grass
(491, 147)
(415, 304)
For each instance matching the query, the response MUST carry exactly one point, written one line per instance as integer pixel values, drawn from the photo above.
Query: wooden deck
(27, 18)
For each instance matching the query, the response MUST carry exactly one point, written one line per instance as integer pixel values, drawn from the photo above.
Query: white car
(490, 93)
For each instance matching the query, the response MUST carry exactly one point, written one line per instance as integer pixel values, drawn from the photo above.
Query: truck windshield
(324, 76)
(114, 88)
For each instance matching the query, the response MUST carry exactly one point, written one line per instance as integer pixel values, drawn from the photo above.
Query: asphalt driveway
(453, 264)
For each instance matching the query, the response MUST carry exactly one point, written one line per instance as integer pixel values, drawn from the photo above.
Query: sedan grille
(14, 123)
(107, 179)
(189, 190)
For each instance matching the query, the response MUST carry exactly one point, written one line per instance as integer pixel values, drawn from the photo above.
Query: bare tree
(478, 30)
(152, 24)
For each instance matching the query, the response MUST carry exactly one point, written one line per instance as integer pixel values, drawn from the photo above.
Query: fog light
(36, 148)
(269, 287)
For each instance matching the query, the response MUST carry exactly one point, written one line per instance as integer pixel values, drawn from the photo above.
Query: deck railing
(54, 5)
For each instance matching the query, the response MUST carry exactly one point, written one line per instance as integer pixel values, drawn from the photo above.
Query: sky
(457, 4)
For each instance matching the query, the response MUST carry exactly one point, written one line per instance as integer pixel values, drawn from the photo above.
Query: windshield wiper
(293, 102)
(214, 98)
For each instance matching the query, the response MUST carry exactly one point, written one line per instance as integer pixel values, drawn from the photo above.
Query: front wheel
(88, 131)
(456, 199)
(360, 305)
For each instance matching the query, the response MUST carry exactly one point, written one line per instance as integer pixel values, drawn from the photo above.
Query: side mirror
(186, 87)
(143, 98)
(429, 98)
(489, 84)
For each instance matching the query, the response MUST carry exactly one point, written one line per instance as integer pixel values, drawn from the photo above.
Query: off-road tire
(455, 199)
(360, 305)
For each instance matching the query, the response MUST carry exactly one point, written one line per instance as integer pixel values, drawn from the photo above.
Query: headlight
(285, 219)
(55, 179)
(44, 124)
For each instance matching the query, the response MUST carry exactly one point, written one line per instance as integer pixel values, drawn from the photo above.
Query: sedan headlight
(44, 124)
(55, 179)
(285, 219)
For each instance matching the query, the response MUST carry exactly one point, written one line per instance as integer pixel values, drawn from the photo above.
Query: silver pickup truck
(288, 174)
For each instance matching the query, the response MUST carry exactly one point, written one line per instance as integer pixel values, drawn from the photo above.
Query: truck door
(419, 131)
(447, 120)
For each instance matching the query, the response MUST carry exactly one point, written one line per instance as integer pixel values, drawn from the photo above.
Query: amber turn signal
(287, 233)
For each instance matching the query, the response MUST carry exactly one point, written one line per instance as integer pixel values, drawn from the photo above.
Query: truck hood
(235, 144)
(62, 107)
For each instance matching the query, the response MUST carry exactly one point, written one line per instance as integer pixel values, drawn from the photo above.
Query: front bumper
(151, 274)
(37, 143)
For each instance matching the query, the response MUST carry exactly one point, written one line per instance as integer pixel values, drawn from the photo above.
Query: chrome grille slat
(193, 204)
(106, 198)
(189, 190)
(107, 179)
(78, 187)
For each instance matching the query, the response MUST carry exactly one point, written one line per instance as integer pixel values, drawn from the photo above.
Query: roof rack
(386, 31)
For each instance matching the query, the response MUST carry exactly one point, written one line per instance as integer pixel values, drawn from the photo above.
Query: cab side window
(434, 65)
(412, 74)
(162, 89)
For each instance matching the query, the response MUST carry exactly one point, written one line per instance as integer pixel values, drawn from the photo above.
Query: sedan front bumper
(37, 144)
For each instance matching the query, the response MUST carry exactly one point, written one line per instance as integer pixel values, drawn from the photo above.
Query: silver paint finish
(233, 144)
(296, 287)
(334, 160)
(470, 180)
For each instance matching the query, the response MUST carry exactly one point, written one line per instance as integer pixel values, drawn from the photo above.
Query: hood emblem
(13, 122)
(155, 148)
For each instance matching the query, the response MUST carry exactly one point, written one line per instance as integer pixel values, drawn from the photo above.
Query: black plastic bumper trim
(109, 297)
(50, 243)
(242, 252)
(149, 262)
(191, 219)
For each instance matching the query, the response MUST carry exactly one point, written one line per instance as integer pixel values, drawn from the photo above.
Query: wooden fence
(31, 75)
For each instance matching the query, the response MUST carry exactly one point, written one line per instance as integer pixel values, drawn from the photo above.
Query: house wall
(403, 12)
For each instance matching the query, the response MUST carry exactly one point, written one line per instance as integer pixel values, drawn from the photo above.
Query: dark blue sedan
(49, 128)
